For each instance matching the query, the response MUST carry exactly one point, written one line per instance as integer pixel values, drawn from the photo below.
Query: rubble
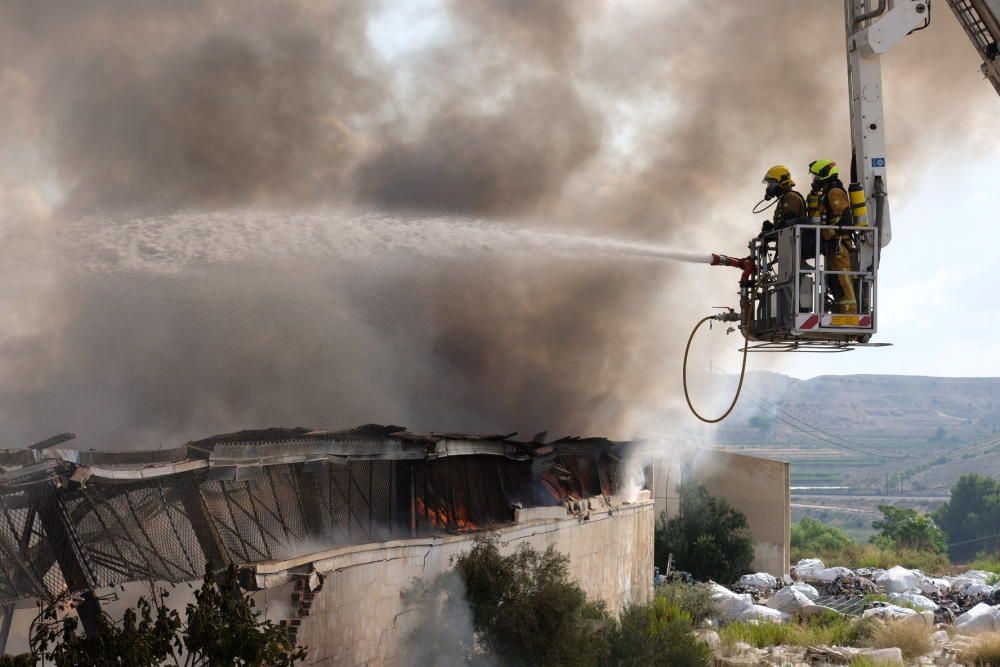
(760, 581)
(851, 585)
(764, 614)
(888, 611)
(914, 600)
(731, 605)
(967, 601)
(789, 600)
(981, 618)
(899, 580)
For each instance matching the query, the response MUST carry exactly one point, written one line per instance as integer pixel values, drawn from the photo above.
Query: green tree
(220, 629)
(971, 517)
(658, 634)
(761, 423)
(708, 538)
(525, 608)
(907, 529)
(812, 536)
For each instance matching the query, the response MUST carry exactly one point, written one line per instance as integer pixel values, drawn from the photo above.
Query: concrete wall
(757, 487)
(358, 616)
(760, 489)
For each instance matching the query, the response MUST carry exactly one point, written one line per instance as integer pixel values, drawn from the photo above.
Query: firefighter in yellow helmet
(791, 205)
(835, 209)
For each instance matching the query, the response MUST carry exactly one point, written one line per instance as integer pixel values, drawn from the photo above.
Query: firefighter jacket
(791, 206)
(835, 207)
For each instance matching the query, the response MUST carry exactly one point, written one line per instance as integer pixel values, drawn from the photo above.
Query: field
(855, 442)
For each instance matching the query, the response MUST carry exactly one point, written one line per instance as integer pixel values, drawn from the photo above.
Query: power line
(821, 439)
(825, 437)
(847, 443)
(829, 439)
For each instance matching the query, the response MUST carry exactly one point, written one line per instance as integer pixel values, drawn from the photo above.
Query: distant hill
(897, 411)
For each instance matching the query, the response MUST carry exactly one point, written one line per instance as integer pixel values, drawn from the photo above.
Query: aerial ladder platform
(981, 21)
(785, 303)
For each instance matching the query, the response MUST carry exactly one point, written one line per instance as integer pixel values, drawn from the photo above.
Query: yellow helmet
(824, 170)
(779, 175)
(778, 181)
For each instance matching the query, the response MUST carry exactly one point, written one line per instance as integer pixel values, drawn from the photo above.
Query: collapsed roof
(82, 520)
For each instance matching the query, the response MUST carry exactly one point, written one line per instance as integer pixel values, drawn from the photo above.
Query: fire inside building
(337, 522)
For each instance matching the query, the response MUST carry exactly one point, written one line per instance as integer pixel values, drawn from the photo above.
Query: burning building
(335, 524)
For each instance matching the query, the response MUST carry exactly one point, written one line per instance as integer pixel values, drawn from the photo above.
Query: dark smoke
(510, 161)
(637, 121)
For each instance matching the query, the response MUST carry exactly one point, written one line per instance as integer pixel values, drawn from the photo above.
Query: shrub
(695, 599)
(983, 651)
(812, 536)
(708, 538)
(221, 627)
(760, 635)
(658, 633)
(907, 529)
(912, 639)
(525, 608)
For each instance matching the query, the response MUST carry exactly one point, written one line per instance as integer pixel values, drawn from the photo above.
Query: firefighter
(791, 205)
(834, 208)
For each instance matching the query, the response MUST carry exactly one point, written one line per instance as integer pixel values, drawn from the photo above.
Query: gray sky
(938, 301)
(148, 149)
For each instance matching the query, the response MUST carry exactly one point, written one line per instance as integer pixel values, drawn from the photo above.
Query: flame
(458, 520)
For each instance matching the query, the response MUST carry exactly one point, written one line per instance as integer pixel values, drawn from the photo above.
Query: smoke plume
(645, 122)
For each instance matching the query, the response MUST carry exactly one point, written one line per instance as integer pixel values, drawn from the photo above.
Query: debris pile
(969, 601)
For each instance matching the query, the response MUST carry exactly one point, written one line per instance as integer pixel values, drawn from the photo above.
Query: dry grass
(869, 555)
(865, 661)
(831, 630)
(913, 639)
(984, 651)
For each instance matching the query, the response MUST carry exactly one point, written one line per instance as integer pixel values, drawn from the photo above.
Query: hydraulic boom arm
(981, 21)
(872, 29)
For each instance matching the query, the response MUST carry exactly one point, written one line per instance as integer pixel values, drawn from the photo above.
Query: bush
(912, 639)
(221, 627)
(525, 608)
(905, 528)
(708, 538)
(658, 633)
(983, 651)
(695, 599)
(812, 536)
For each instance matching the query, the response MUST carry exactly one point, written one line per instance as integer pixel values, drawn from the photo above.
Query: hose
(743, 370)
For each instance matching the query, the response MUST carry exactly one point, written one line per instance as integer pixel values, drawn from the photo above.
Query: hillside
(884, 411)
(857, 441)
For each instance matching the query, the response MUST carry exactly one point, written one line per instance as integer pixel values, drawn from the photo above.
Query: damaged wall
(757, 487)
(359, 614)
